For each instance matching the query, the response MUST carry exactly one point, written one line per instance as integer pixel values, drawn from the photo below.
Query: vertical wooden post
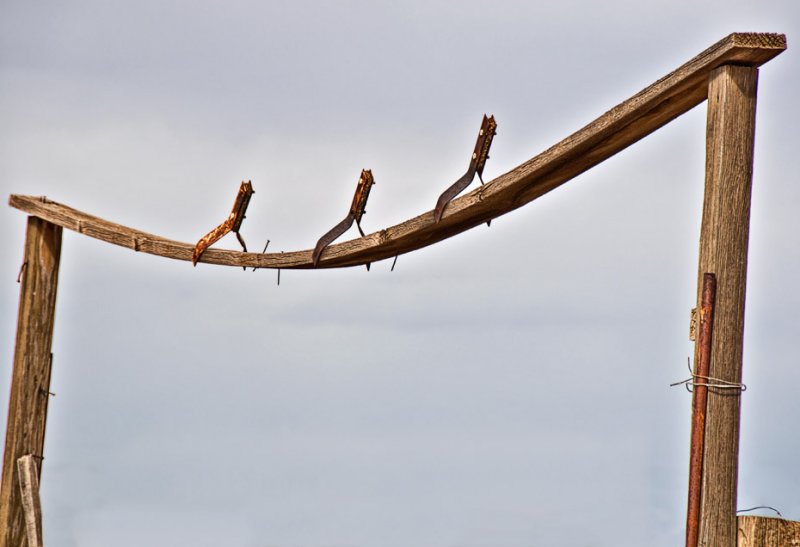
(30, 382)
(723, 252)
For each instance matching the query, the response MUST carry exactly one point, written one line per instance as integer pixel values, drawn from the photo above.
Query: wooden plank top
(673, 95)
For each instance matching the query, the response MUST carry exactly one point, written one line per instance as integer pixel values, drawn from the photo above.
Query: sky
(507, 387)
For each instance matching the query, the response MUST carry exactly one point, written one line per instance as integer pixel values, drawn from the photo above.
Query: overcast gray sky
(505, 388)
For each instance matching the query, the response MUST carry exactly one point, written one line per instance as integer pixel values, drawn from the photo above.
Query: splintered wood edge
(666, 99)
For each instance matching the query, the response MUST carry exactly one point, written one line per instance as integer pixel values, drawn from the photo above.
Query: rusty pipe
(699, 401)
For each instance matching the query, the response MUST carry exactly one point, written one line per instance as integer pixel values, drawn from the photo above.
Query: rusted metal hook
(357, 210)
(476, 164)
(232, 224)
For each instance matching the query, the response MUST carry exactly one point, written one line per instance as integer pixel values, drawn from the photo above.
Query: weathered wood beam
(723, 251)
(30, 379)
(767, 532)
(623, 125)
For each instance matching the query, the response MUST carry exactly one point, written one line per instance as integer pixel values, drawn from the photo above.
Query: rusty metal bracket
(357, 210)
(476, 164)
(232, 224)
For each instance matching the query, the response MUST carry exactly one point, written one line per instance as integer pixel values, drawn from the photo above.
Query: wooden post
(28, 472)
(723, 252)
(768, 532)
(30, 382)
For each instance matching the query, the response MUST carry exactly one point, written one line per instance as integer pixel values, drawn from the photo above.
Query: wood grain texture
(28, 473)
(30, 380)
(623, 125)
(767, 532)
(723, 251)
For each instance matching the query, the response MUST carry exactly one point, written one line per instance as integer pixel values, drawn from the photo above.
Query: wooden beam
(767, 532)
(723, 251)
(623, 125)
(30, 380)
(28, 473)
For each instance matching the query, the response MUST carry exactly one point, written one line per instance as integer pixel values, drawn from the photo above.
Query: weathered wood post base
(723, 252)
(30, 382)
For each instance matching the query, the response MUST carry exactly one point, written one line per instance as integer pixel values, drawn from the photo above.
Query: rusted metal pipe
(699, 401)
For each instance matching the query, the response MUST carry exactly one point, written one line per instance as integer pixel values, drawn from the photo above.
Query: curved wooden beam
(623, 125)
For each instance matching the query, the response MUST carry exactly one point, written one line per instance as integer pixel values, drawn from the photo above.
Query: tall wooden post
(30, 382)
(723, 252)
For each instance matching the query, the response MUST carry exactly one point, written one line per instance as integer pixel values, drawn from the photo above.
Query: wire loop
(708, 381)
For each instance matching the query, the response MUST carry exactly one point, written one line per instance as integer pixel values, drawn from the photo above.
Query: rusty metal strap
(357, 210)
(231, 224)
(476, 164)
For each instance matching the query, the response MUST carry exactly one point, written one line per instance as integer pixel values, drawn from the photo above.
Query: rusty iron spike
(357, 210)
(232, 224)
(476, 164)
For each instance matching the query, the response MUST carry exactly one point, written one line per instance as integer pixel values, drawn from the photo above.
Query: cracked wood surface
(623, 125)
